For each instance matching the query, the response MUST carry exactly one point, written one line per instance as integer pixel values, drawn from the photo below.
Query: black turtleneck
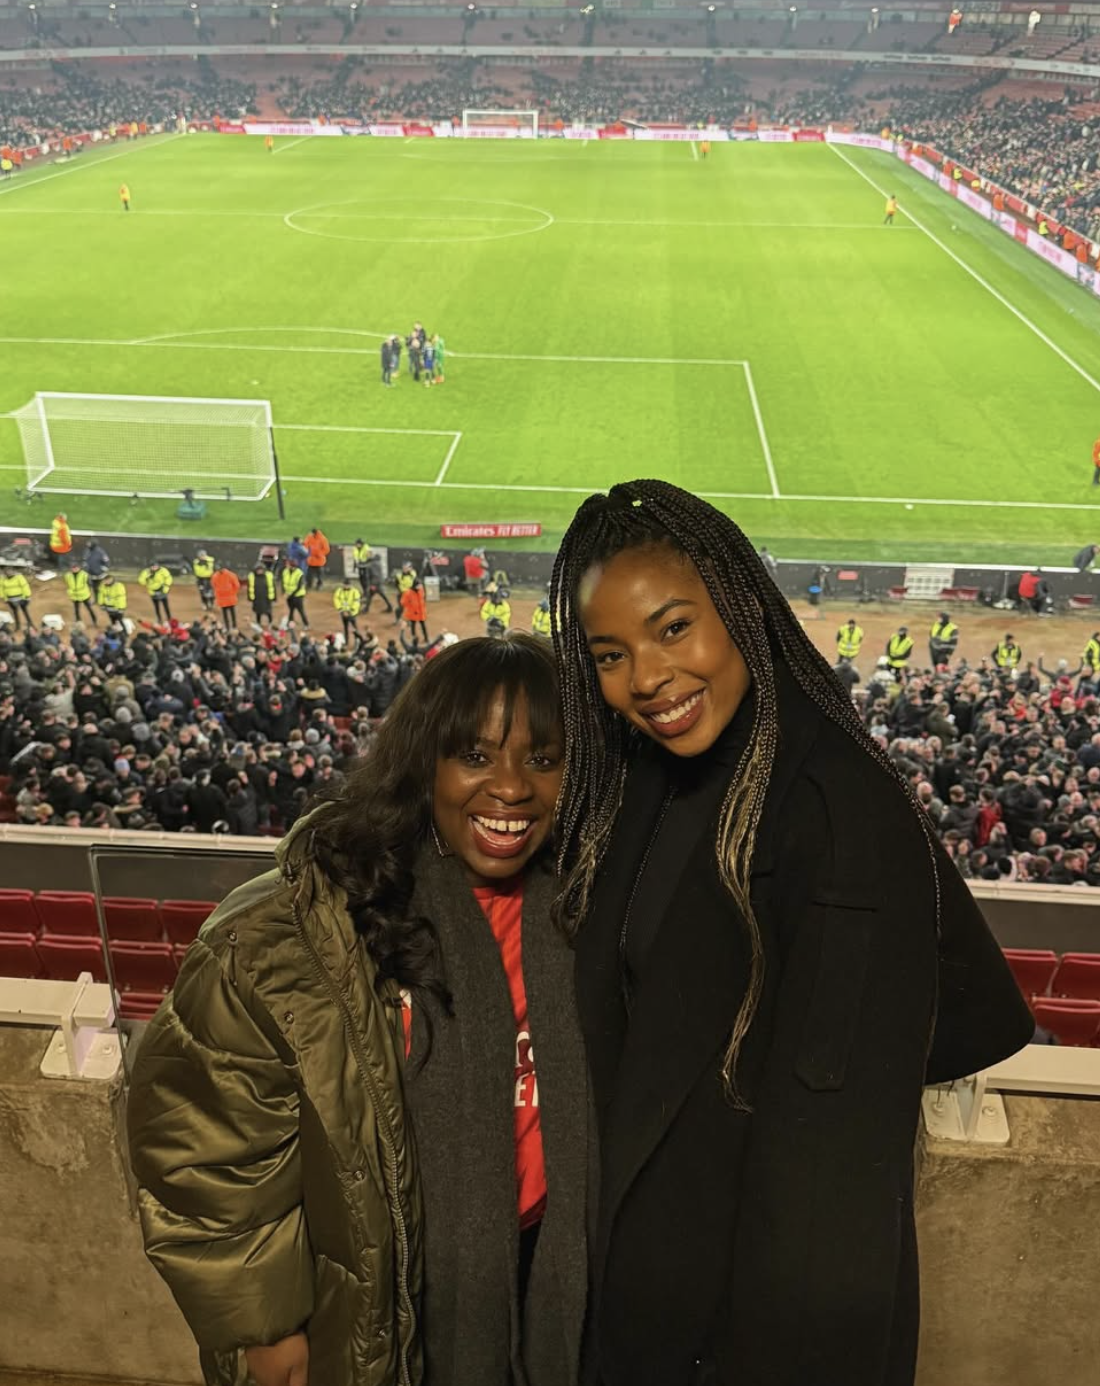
(695, 789)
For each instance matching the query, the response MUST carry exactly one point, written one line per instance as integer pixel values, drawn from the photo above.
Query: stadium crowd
(196, 728)
(1005, 762)
(82, 101)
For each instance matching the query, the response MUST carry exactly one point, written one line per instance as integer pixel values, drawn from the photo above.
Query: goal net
(147, 445)
(500, 124)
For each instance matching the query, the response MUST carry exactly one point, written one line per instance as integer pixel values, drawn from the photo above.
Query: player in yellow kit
(124, 197)
(891, 210)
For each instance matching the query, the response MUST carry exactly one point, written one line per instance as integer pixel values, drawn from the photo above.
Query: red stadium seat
(132, 919)
(69, 913)
(1033, 968)
(896, 594)
(139, 1005)
(1081, 602)
(182, 919)
(17, 912)
(143, 966)
(1078, 977)
(1074, 1023)
(64, 959)
(18, 957)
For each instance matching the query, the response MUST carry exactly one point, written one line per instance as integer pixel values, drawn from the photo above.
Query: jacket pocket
(340, 1302)
(832, 1017)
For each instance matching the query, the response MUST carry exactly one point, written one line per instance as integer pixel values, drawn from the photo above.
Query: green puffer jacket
(278, 1183)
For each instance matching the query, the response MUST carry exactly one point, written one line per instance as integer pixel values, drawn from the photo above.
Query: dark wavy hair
(655, 514)
(370, 833)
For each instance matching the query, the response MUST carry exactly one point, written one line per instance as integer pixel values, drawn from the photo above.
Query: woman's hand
(285, 1363)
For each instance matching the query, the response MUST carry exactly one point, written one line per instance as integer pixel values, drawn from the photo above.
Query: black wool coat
(778, 1248)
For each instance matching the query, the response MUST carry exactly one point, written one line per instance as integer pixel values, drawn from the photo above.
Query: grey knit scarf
(460, 1093)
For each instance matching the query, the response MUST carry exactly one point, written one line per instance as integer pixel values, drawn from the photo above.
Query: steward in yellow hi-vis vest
(78, 585)
(898, 649)
(112, 598)
(1091, 656)
(203, 568)
(849, 638)
(541, 622)
(348, 601)
(16, 591)
(1007, 655)
(157, 581)
(942, 640)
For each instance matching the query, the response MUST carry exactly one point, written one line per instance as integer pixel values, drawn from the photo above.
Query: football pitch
(742, 325)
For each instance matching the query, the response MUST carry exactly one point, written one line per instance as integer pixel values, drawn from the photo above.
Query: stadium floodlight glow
(147, 445)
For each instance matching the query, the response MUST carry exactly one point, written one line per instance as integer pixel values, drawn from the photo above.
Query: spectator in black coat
(206, 804)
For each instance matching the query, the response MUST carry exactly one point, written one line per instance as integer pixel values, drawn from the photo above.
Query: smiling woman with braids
(773, 955)
(351, 1171)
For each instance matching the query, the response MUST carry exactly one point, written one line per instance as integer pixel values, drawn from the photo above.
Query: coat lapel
(695, 977)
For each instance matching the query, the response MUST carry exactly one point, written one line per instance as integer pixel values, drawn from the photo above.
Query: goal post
(500, 124)
(154, 446)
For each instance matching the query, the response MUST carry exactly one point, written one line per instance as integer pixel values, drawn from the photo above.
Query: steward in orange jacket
(318, 547)
(226, 585)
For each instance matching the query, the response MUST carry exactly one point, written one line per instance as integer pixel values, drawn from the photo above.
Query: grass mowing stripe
(978, 278)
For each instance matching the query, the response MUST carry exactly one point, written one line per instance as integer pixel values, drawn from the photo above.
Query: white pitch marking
(707, 495)
(978, 279)
(91, 163)
(694, 152)
(364, 351)
(447, 460)
(523, 221)
(766, 449)
(282, 148)
(347, 428)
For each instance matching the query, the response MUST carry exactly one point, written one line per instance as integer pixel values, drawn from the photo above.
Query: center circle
(412, 221)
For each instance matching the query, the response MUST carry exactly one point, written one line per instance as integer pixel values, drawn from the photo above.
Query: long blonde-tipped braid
(636, 515)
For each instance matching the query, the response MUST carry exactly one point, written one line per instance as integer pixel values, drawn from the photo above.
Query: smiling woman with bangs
(351, 1167)
(774, 953)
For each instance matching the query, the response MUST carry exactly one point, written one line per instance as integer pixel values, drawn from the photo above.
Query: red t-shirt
(503, 908)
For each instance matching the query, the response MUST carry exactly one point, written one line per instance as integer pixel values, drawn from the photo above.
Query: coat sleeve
(214, 1142)
(981, 1017)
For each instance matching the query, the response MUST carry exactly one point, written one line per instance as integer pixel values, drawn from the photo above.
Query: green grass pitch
(744, 326)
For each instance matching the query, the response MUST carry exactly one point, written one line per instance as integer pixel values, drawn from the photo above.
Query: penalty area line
(765, 447)
(447, 460)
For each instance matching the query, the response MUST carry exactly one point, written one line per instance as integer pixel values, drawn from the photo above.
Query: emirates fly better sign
(515, 531)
